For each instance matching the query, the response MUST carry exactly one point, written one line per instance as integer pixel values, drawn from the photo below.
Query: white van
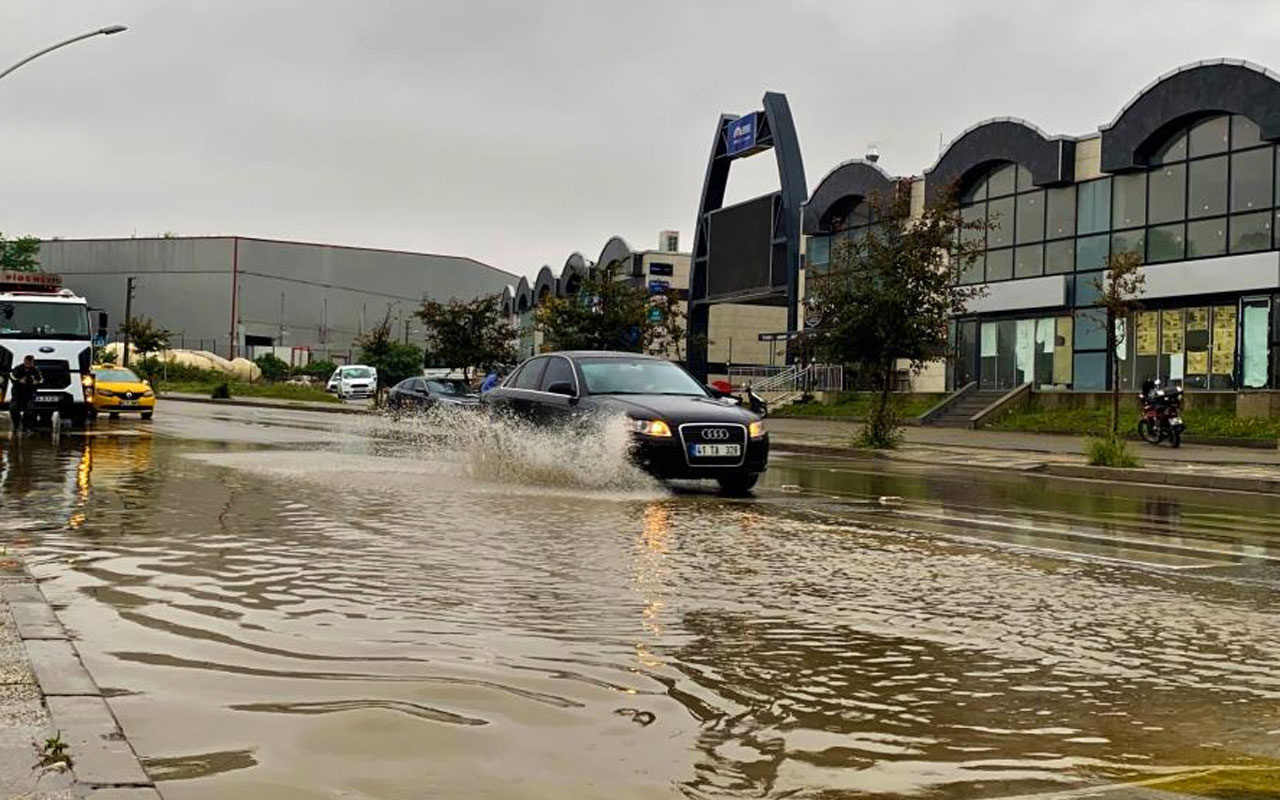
(353, 381)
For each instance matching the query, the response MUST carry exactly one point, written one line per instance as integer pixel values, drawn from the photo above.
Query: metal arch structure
(545, 285)
(775, 131)
(1050, 159)
(858, 178)
(1196, 90)
(523, 296)
(576, 270)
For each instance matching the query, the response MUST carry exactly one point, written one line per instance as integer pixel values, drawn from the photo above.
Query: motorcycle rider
(25, 378)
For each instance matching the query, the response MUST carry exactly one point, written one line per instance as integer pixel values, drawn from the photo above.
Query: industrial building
(237, 295)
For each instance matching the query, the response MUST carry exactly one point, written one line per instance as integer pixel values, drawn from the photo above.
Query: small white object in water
(791, 488)
(890, 500)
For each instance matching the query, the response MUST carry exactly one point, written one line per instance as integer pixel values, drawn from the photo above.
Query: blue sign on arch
(741, 135)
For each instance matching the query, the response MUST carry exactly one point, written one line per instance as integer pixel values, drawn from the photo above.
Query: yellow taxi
(118, 390)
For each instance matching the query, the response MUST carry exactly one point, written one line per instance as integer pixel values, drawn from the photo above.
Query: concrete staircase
(959, 414)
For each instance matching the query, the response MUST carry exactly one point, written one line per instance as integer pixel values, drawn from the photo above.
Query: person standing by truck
(25, 378)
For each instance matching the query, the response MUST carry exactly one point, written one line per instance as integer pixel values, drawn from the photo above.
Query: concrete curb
(282, 405)
(1232, 483)
(103, 762)
(1184, 480)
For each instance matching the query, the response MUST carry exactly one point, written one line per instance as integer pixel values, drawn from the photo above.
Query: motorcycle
(1161, 416)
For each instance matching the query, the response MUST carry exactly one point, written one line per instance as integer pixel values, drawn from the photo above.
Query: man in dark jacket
(25, 378)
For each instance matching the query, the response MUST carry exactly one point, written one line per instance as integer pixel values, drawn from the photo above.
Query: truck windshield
(36, 320)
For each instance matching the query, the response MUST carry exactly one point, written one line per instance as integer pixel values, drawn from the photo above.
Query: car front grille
(713, 433)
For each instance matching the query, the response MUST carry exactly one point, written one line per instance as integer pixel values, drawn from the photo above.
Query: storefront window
(1000, 222)
(1173, 357)
(1060, 257)
(1197, 347)
(1093, 206)
(1146, 347)
(1207, 187)
(1060, 207)
(1251, 179)
(999, 264)
(1091, 253)
(1255, 349)
(1129, 200)
(1168, 194)
(1090, 372)
(1030, 217)
(1028, 261)
(1223, 363)
(1166, 243)
(1251, 232)
(818, 253)
(1207, 237)
(1209, 136)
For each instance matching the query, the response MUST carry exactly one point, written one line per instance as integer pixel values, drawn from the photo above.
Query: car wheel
(148, 414)
(113, 415)
(737, 485)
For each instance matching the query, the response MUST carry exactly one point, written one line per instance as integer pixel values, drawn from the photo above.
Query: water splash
(588, 453)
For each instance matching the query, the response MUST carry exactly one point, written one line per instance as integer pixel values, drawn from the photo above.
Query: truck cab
(57, 328)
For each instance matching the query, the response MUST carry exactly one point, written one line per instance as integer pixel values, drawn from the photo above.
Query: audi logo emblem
(715, 434)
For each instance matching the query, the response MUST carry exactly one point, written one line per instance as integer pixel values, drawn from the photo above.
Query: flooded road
(293, 605)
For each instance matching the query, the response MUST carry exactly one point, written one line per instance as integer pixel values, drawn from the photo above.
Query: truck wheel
(113, 415)
(737, 485)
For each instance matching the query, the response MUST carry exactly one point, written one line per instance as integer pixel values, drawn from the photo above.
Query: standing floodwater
(323, 609)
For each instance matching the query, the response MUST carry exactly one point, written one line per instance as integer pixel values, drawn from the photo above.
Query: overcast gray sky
(516, 132)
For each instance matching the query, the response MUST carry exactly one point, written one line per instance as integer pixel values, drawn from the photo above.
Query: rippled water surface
(311, 610)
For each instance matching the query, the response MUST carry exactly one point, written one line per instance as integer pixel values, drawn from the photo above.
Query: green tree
(273, 368)
(320, 369)
(606, 314)
(21, 254)
(1118, 290)
(393, 361)
(144, 336)
(890, 297)
(464, 334)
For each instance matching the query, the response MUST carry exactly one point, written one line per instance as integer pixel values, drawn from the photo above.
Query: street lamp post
(107, 31)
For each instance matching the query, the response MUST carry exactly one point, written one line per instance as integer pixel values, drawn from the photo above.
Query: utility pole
(128, 316)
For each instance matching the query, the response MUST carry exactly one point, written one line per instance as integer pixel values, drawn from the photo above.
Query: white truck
(58, 329)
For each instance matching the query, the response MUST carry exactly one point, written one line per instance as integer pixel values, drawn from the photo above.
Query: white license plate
(716, 450)
(48, 399)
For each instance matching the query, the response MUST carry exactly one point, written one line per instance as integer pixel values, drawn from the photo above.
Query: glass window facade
(1205, 194)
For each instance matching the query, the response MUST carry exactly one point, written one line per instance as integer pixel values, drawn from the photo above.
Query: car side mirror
(563, 388)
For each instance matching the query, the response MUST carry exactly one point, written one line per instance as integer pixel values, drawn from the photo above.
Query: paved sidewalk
(1238, 468)
(46, 691)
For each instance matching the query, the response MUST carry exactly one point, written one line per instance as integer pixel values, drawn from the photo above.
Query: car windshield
(35, 320)
(447, 387)
(637, 376)
(357, 372)
(116, 376)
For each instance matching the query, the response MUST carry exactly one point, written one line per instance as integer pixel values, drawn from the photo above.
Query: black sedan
(423, 393)
(681, 429)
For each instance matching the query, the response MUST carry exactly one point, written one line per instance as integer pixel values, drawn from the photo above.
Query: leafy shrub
(1110, 451)
(881, 431)
(273, 368)
(320, 370)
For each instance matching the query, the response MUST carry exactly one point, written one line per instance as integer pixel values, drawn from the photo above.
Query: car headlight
(106, 393)
(87, 382)
(148, 393)
(651, 427)
(756, 429)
